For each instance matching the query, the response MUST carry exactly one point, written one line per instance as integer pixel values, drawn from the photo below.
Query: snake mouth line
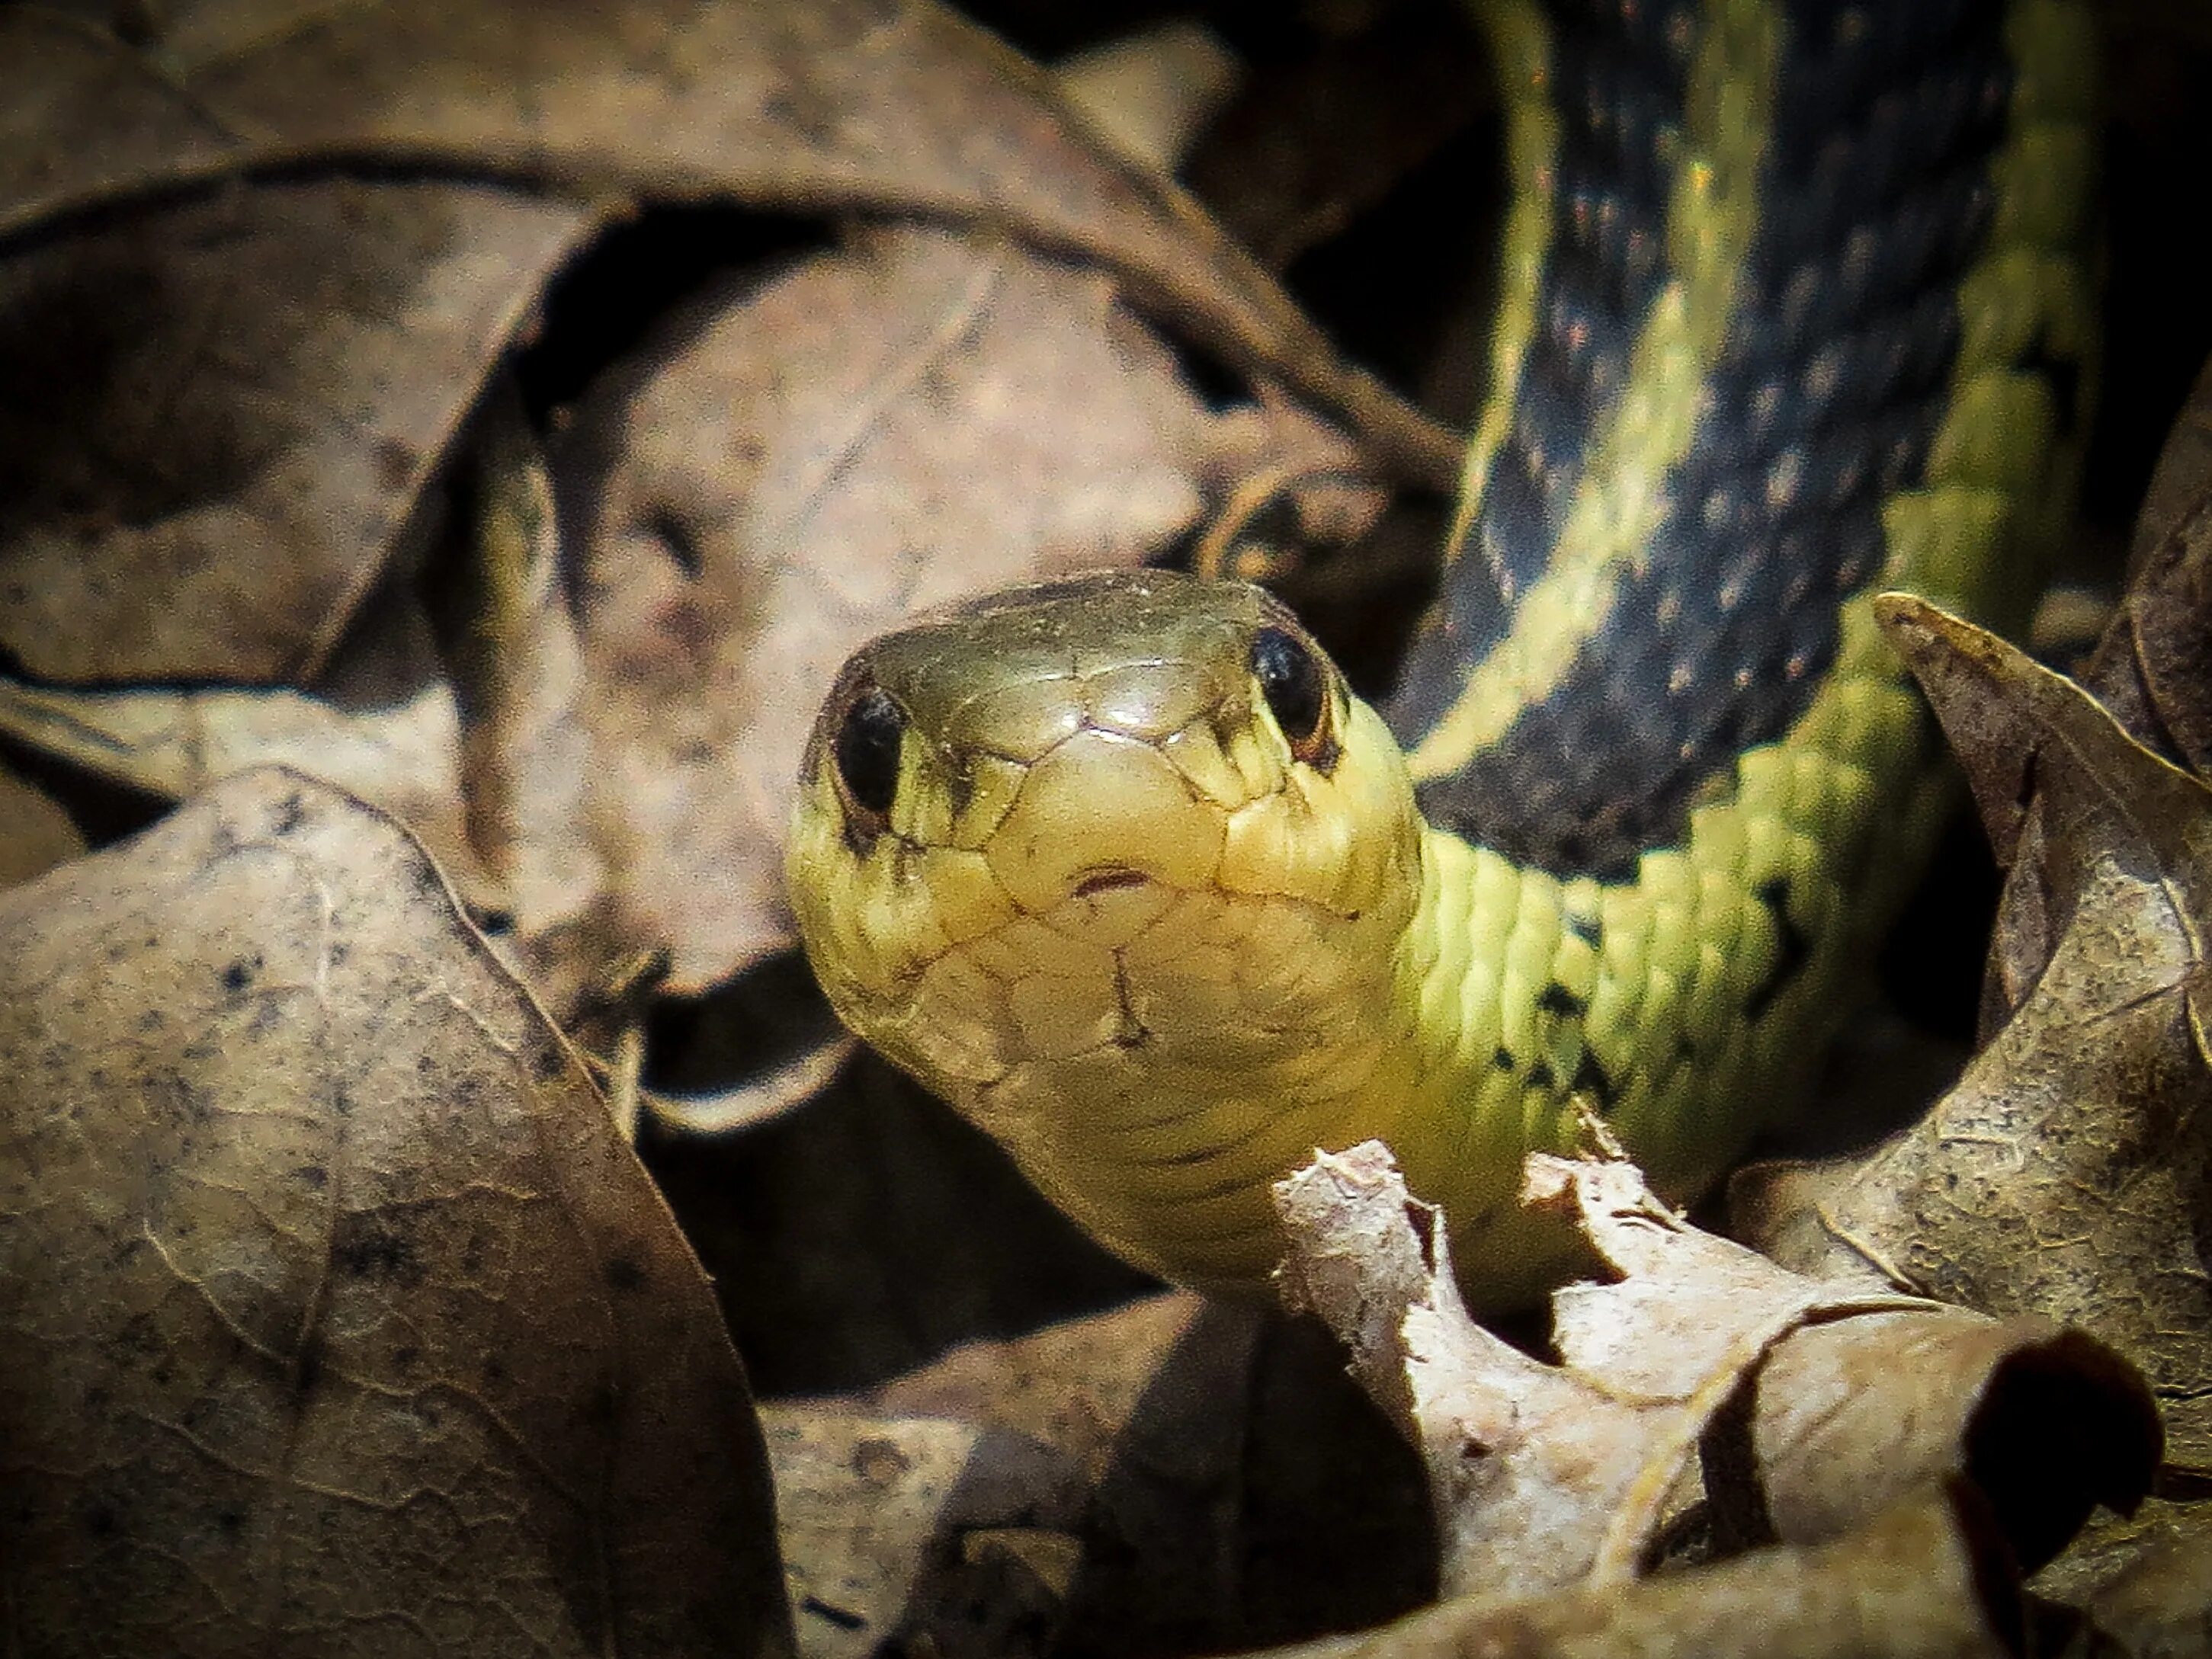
(1109, 880)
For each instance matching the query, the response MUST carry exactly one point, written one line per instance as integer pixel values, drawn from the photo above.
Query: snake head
(1118, 865)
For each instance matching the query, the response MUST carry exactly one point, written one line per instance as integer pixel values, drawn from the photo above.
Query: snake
(1796, 306)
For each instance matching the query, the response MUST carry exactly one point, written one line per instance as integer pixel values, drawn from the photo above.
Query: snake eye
(867, 750)
(1296, 693)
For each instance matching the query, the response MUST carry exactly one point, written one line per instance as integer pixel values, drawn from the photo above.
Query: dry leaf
(874, 1509)
(384, 727)
(839, 103)
(979, 411)
(1173, 1475)
(1545, 1475)
(1151, 92)
(217, 416)
(2159, 1604)
(83, 115)
(518, 669)
(35, 833)
(2153, 669)
(1073, 1386)
(338, 1320)
(1851, 1413)
(2066, 1173)
(1925, 1580)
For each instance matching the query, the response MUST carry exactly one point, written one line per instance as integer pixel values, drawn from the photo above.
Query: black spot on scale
(1502, 1058)
(1590, 930)
(1556, 998)
(1540, 1076)
(1791, 947)
(1591, 1078)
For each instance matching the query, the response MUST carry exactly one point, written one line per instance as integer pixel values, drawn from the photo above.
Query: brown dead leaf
(1149, 94)
(2159, 1604)
(895, 1527)
(1175, 1475)
(338, 1320)
(1075, 1385)
(1852, 1413)
(877, 104)
(83, 115)
(795, 467)
(1546, 1475)
(1927, 1580)
(259, 317)
(217, 414)
(518, 674)
(383, 726)
(2068, 1173)
(35, 833)
(2153, 669)
(882, 1494)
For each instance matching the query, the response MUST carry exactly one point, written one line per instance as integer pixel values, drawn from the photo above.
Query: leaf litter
(2073, 1156)
(1170, 1475)
(839, 103)
(581, 111)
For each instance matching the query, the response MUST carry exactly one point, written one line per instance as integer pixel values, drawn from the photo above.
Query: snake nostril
(1096, 881)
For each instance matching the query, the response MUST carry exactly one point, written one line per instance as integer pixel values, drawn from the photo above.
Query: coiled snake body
(1796, 312)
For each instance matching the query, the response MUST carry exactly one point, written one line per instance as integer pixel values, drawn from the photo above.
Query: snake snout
(1101, 817)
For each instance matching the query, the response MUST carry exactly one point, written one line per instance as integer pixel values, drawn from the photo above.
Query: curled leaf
(1549, 1474)
(1926, 1580)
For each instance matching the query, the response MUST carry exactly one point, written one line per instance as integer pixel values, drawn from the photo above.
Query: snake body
(1797, 310)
